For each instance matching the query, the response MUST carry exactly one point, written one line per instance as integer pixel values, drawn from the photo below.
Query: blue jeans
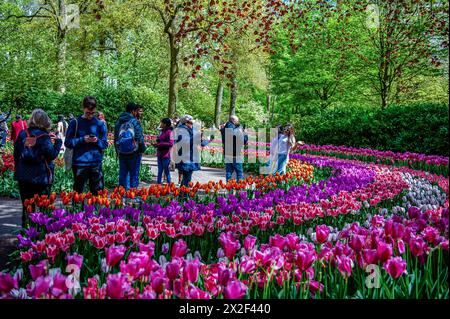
(187, 177)
(163, 167)
(282, 163)
(129, 169)
(231, 167)
(2, 138)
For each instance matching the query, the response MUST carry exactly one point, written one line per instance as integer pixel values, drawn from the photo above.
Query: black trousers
(27, 191)
(92, 175)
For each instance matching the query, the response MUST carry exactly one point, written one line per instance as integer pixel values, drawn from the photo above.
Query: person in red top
(18, 126)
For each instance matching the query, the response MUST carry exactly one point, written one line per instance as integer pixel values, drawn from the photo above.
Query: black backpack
(30, 153)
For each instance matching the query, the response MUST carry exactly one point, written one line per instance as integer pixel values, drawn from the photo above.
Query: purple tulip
(75, 259)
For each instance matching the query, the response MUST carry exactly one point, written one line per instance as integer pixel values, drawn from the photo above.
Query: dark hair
(18, 116)
(132, 107)
(60, 118)
(167, 122)
(90, 103)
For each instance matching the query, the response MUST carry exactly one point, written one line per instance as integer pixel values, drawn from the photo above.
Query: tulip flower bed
(431, 163)
(331, 228)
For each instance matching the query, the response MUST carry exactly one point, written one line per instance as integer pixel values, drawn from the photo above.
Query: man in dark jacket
(233, 140)
(186, 154)
(129, 144)
(34, 154)
(88, 138)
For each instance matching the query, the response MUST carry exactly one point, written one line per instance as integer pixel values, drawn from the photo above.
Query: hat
(186, 118)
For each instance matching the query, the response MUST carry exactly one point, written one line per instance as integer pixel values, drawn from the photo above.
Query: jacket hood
(125, 117)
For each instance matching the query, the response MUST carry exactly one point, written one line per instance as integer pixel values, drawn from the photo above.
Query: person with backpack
(17, 126)
(233, 140)
(4, 127)
(163, 145)
(186, 154)
(129, 144)
(34, 154)
(87, 138)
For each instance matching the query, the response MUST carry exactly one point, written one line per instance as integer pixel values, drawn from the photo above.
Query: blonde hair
(40, 120)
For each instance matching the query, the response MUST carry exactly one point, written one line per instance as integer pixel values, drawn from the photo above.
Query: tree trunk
(61, 60)
(218, 108)
(173, 76)
(233, 95)
(268, 97)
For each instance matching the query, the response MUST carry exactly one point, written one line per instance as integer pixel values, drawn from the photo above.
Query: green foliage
(421, 128)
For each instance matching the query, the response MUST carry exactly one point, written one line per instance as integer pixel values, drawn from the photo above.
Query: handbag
(68, 153)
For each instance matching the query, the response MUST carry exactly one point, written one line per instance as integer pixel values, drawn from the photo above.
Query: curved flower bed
(291, 236)
(437, 164)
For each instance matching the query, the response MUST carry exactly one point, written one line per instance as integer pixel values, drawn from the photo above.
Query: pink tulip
(395, 267)
(38, 270)
(322, 232)
(7, 283)
(158, 283)
(59, 285)
(235, 290)
(247, 266)
(197, 293)
(191, 270)
(230, 244)
(315, 286)
(417, 246)
(356, 242)
(75, 259)
(249, 242)
(114, 254)
(384, 251)
(42, 284)
(370, 256)
(401, 247)
(149, 248)
(173, 269)
(305, 259)
(116, 286)
(223, 276)
(179, 248)
(430, 234)
(345, 265)
(277, 241)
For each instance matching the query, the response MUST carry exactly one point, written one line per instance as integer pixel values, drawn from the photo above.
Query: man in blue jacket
(233, 140)
(88, 138)
(129, 144)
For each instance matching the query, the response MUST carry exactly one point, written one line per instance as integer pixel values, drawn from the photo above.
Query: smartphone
(92, 135)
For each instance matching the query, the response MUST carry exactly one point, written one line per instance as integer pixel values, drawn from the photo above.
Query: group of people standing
(86, 138)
